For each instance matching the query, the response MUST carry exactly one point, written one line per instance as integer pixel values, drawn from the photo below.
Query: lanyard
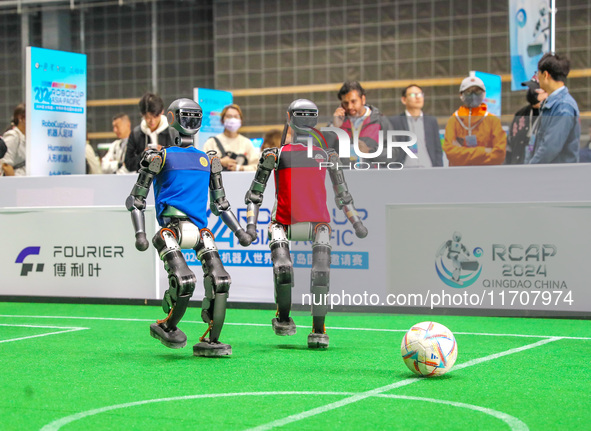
(534, 129)
(469, 127)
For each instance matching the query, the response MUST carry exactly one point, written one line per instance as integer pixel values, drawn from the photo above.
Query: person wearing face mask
(235, 151)
(523, 122)
(474, 136)
(13, 162)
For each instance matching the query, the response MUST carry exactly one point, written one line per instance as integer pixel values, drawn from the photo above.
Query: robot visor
(190, 120)
(305, 113)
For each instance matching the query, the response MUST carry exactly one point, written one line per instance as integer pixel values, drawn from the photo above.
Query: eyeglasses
(415, 95)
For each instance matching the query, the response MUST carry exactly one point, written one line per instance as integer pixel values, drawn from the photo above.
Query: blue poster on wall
(529, 33)
(212, 102)
(56, 112)
(493, 86)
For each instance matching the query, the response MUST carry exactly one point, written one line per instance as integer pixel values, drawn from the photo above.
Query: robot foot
(208, 348)
(317, 341)
(174, 339)
(282, 328)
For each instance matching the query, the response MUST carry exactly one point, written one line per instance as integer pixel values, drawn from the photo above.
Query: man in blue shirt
(555, 136)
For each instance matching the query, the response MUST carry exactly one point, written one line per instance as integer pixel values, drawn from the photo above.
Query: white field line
(374, 392)
(121, 319)
(514, 423)
(66, 329)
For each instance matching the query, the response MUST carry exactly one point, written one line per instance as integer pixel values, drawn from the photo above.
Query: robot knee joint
(221, 284)
(282, 266)
(183, 282)
(320, 277)
(283, 272)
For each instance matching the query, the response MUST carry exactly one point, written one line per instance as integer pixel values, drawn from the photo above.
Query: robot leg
(457, 269)
(181, 286)
(283, 280)
(217, 285)
(319, 285)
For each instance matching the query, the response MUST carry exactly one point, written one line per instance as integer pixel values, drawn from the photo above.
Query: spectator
(114, 161)
(153, 131)
(556, 135)
(3, 149)
(14, 161)
(93, 166)
(235, 151)
(271, 139)
(428, 146)
(525, 118)
(473, 136)
(360, 120)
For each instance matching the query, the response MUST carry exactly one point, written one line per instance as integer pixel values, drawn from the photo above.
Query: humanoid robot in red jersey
(300, 214)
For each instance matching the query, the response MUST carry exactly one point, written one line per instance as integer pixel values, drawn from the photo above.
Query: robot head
(301, 115)
(184, 115)
(457, 236)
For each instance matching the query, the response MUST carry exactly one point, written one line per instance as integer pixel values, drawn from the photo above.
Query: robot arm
(254, 196)
(343, 198)
(445, 245)
(219, 204)
(465, 250)
(150, 165)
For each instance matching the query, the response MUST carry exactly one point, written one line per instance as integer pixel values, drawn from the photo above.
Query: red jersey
(300, 185)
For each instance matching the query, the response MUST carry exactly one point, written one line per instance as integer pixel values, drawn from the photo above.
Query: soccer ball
(429, 349)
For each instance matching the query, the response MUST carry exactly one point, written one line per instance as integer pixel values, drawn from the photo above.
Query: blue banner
(212, 102)
(493, 85)
(529, 33)
(56, 112)
(300, 259)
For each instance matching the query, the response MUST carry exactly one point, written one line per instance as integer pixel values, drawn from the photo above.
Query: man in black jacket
(428, 146)
(520, 130)
(153, 131)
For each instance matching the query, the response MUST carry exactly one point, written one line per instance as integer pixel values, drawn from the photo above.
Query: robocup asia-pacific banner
(56, 112)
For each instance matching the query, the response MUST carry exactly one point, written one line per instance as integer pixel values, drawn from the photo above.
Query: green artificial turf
(116, 362)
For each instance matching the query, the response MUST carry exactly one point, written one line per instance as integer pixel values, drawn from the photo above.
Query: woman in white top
(238, 152)
(13, 162)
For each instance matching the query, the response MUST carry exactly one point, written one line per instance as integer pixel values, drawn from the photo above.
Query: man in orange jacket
(474, 136)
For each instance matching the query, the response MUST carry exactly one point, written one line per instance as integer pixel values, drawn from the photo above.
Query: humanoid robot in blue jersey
(182, 176)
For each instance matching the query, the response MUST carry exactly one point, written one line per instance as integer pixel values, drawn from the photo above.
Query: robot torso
(300, 185)
(183, 183)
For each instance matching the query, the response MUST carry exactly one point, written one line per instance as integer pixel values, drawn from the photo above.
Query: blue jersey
(183, 182)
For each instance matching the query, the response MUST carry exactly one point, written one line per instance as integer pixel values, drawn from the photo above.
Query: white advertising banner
(56, 112)
(510, 256)
(75, 252)
(492, 256)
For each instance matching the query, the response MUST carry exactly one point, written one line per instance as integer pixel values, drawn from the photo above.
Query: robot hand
(141, 242)
(244, 237)
(360, 229)
(135, 205)
(251, 229)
